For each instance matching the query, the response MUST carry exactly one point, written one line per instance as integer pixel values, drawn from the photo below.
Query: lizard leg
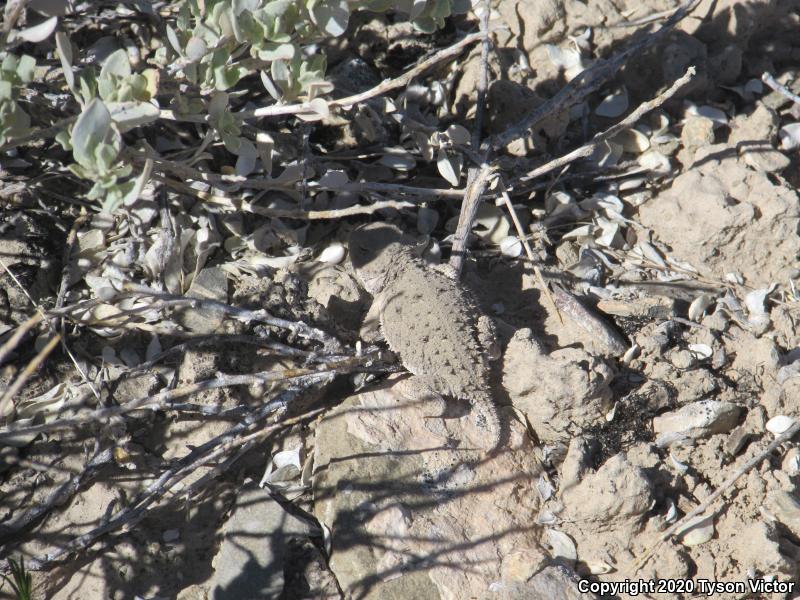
(480, 425)
(421, 389)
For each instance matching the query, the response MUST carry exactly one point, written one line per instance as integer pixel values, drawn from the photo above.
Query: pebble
(696, 420)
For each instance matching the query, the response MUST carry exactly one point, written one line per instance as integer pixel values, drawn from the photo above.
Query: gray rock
(406, 513)
(210, 283)
(553, 583)
(697, 420)
(250, 561)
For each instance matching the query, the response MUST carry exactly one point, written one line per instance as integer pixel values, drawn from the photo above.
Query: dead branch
(781, 89)
(12, 342)
(586, 83)
(727, 484)
(163, 300)
(629, 121)
(477, 175)
(469, 208)
(163, 401)
(239, 204)
(137, 509)
(380, 89)
(26, 373)
(59, 496)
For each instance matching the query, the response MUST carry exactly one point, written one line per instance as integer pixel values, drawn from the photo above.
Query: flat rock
(410, 517)
(697, 420)
(250, 561)
(210, 283)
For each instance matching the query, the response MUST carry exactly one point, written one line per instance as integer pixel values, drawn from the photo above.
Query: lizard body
(429, 321)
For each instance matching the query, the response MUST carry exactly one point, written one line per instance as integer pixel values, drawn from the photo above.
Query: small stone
(791, 462)
(697, 420)
(725, 66)
(765, 158)
(524, 564)
(779, 424)
(737, 440)
(697, 132)
(698, 531)
(682, 359)
(786, 509)
(597, 503)
(171, 535)
(210, 283)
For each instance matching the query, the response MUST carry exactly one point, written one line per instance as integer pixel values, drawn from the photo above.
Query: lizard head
(373, 249)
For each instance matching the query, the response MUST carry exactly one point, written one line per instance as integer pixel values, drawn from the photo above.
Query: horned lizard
(430, 322)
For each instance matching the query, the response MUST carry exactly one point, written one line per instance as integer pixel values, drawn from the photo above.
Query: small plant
(20, 580)
(14, 73)
(212, 37)
(95, 142)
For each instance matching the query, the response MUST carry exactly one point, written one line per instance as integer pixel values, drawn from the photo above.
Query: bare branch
(781, 89)
(629, 121)
(587, 82)
(164, 400)
(727, 484)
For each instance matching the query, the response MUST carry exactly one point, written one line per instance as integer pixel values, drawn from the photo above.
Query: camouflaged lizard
(428, 320)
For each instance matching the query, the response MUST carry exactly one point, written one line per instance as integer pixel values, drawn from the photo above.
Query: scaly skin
(429, 321)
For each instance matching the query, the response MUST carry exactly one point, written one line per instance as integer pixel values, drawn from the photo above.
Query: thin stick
(65, 271)
(585, 83)
(285, 109)
(18, 334)
(186, 172)
(477, 176)
(59, 496)
(383, 87)
(162, 401)
(728, 483)
(8, 347)
(781, 89)
(136, 510)
(260, 316)
(483, 80)
(26, 373)
(525, 244)
(241, 205)
(469, 208)
(631, 119)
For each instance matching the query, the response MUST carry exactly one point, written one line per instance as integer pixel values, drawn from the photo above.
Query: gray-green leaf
(89, 131)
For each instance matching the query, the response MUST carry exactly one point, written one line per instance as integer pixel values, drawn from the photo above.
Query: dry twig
(164, 400)
(587, 82)
(629, 121)
(380, 89)
(469, 208)
(781, 89)
(58, 496)
(727, 484)
(528, 251)
(181, 468)
(477, 176)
